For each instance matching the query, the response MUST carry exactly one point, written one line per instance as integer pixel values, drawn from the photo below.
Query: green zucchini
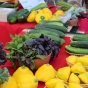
(75, 50)
(80, 37)
(57, 27)
(44, 32)
(62, 41)
(79, 44)
(60, 33)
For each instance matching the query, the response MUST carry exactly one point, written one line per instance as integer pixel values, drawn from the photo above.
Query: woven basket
(83, 85)
(71, 64)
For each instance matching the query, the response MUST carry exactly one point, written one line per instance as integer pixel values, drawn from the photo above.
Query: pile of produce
(72, 59)
(64, 5)
(19, 16)
(2, 54)
(78, 45)
(38, 13)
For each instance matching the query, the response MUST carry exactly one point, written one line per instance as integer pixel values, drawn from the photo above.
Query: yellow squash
(53, 81)
(7, 81)
(59, 13)
(22, 70)
(64, 73)
(27, 81)
(72, 59)
(45, 73)
(61, 85)
(78, 68)
(47, 10)
(31, 17)
(74, 78)
(84, 77)
(41, 16)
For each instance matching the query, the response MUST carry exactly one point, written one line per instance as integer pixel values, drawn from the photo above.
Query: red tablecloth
(6, 29)
(58, 62)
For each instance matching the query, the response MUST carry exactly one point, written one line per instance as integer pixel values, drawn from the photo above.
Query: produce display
(78, 45)
(19, 16)
(42, 41)
(72, 59)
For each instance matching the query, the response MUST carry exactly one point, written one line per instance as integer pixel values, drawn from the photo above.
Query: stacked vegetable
(78, 45)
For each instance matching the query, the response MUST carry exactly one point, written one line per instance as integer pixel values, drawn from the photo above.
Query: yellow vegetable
(64, 73)
(72, 59)
(74, 85)
(22, 70)
(31, 17)
(78, 68)
(74, 78)
(7, 81)
(41, 16)
(48, 15)
(53, 82)
(84, 77)
(61, 85)
(83, 60)
(11, 83)
(59, 13)
(54, 17)
(27, 81)
(45, 73)
(39, 11)
(47, 10)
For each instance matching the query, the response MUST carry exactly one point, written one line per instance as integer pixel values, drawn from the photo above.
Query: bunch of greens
(25, 49)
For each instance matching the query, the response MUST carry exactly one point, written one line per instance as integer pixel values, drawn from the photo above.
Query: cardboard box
(4, 12)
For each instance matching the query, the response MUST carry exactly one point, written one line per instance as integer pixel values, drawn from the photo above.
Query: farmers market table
(6, 29)
(56, 63)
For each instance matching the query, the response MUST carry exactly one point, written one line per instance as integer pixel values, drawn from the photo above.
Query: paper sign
(29, 4)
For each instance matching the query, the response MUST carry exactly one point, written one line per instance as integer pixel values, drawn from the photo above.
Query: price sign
(29, 4)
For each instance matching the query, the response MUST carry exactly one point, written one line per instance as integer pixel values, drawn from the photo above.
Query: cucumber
(44, 32)
(51, 22)
(60, 28)
(80, 37)
(60, 33)
(14, 17)
(41, 27)
(76, 50)
(79, 44)
(62, 41)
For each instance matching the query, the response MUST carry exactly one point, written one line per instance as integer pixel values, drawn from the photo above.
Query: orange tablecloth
(6, 29)
(56, 63)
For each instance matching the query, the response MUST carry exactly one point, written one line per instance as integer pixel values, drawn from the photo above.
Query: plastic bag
(77, 3)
